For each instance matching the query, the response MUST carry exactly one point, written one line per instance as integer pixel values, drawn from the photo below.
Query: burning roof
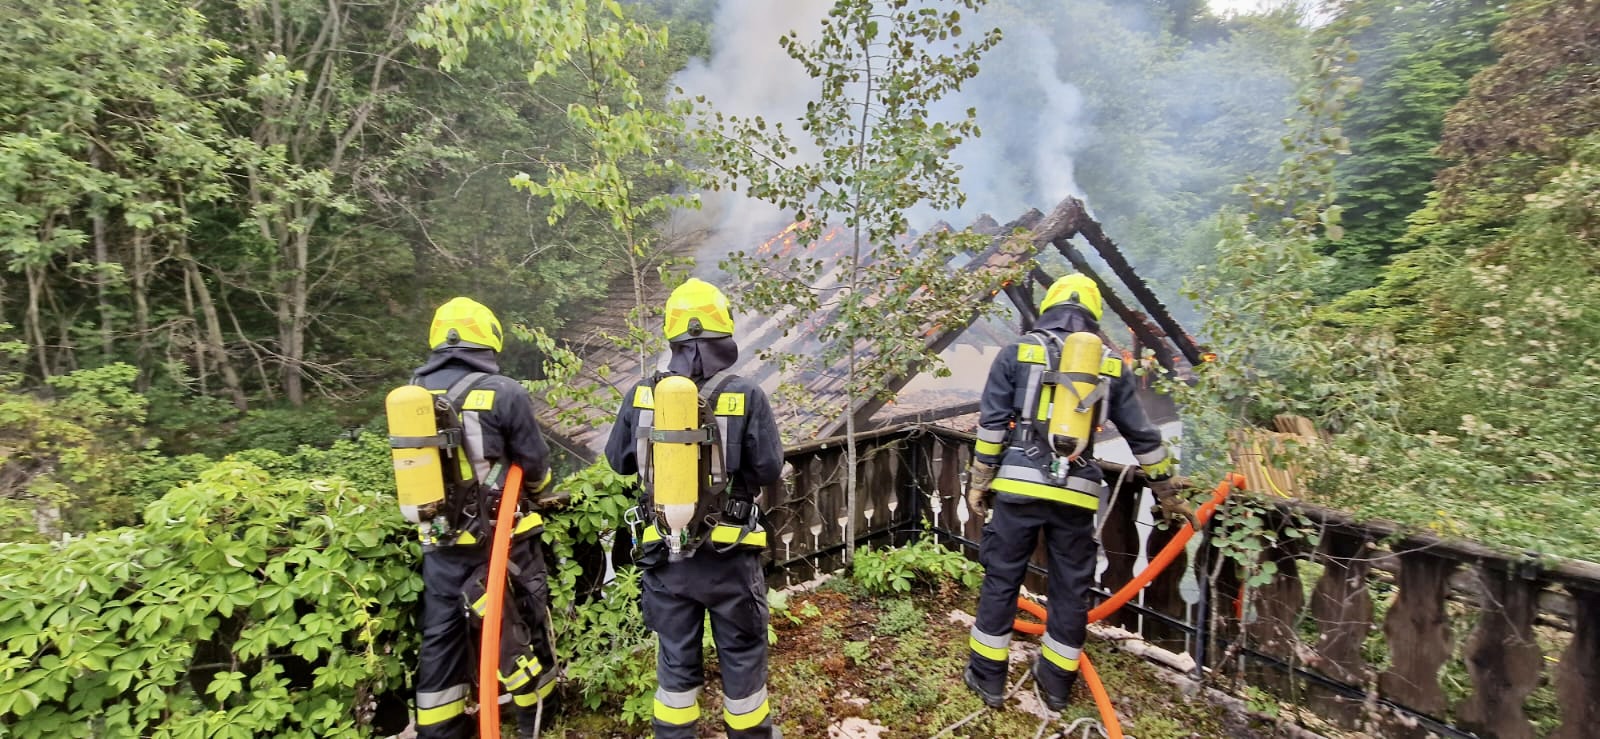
(580, 418)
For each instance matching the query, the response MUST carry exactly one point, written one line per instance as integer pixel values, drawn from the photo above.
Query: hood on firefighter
(1067, 318)
(699, 359)
(475, 360)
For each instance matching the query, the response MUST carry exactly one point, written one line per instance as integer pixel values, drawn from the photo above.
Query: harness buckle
(737, 510)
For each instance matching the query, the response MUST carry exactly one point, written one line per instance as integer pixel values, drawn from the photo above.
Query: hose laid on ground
(1102, 700)
(489, 644)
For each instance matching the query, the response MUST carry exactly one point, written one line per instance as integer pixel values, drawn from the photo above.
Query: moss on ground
(841, 653)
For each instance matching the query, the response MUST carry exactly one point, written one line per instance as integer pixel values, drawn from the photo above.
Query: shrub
(246, 605)
(923, 563)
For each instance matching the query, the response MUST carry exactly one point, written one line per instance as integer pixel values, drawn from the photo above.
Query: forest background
(224, 224)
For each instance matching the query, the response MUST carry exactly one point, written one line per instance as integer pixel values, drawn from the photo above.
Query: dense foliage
(249, 604)
(1459, 391)
(217, 215)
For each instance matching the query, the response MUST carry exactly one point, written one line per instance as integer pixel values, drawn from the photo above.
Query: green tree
(1416, 59)
(618, 161)
(879, 153)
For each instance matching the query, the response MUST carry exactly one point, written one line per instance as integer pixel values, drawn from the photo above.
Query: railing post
(1503, 657)
(1578, 681)
(1417, 633)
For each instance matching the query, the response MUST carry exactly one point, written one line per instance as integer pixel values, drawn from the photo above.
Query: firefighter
(714, 564)
(1036, 492)
(497, 430)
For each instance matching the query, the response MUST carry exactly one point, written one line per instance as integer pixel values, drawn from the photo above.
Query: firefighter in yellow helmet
(1035, 492)
(497, 429)
(712, 566)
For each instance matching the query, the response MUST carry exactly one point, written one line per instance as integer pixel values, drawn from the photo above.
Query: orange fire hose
(1125, 594)
(489, 645)
(1102, 700)
(1168, 552)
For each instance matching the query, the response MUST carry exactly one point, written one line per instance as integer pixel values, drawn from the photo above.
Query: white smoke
(1032, 124)
(1032, 119)
(748, 75)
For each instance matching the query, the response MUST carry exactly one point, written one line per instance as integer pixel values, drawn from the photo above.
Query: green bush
(246, 605)
(608, 653)
(923, 563)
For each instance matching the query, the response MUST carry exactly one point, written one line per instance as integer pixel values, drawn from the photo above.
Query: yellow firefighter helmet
(697, 310)
(1074, 288)
(465, 322)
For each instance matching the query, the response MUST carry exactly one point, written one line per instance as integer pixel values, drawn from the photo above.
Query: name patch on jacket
(478, 400)
(730, 404)
(1030, 353)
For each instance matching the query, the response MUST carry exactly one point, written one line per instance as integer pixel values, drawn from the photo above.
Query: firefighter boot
(1055, 685)
(992, 700)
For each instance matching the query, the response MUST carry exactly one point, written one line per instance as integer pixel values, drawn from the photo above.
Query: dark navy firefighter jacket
(1024, 458)
(743, 412)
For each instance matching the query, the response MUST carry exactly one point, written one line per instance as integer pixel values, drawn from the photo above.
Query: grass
(897, 662)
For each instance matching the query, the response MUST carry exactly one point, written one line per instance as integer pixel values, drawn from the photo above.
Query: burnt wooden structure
(1376, 629)
(576, 419)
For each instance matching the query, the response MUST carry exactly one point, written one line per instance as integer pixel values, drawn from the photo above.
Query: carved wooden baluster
(949, 489)
(1162, 594)
(1278, 605)
(1578, 678)
(1503, 658)
(868, 488)
(1342, 607)
(1119, 537)
(1418, 635)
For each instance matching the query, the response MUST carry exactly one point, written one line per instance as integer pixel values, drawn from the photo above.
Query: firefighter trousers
(677, 596)
(1009, 540)
(453, 580)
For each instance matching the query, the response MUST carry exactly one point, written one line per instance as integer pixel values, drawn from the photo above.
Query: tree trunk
(102, 261)
(33, 327)
(141, 306)
(212, 333)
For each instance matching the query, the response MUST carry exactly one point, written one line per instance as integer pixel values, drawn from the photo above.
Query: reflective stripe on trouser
(988, 655)
(677, 597)
(1009, 539)
(678, 708)
(438, 706)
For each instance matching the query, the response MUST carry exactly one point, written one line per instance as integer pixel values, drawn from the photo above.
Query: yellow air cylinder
(676, 463)
(1072, 420)
(418, 476)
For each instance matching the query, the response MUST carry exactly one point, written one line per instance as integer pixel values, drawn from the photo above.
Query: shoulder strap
(463, 386)
(644, 423)
(724, 454)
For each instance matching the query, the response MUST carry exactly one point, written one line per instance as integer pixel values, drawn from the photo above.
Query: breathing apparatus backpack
(688, 441)
(434, 477)
(1066, 402)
